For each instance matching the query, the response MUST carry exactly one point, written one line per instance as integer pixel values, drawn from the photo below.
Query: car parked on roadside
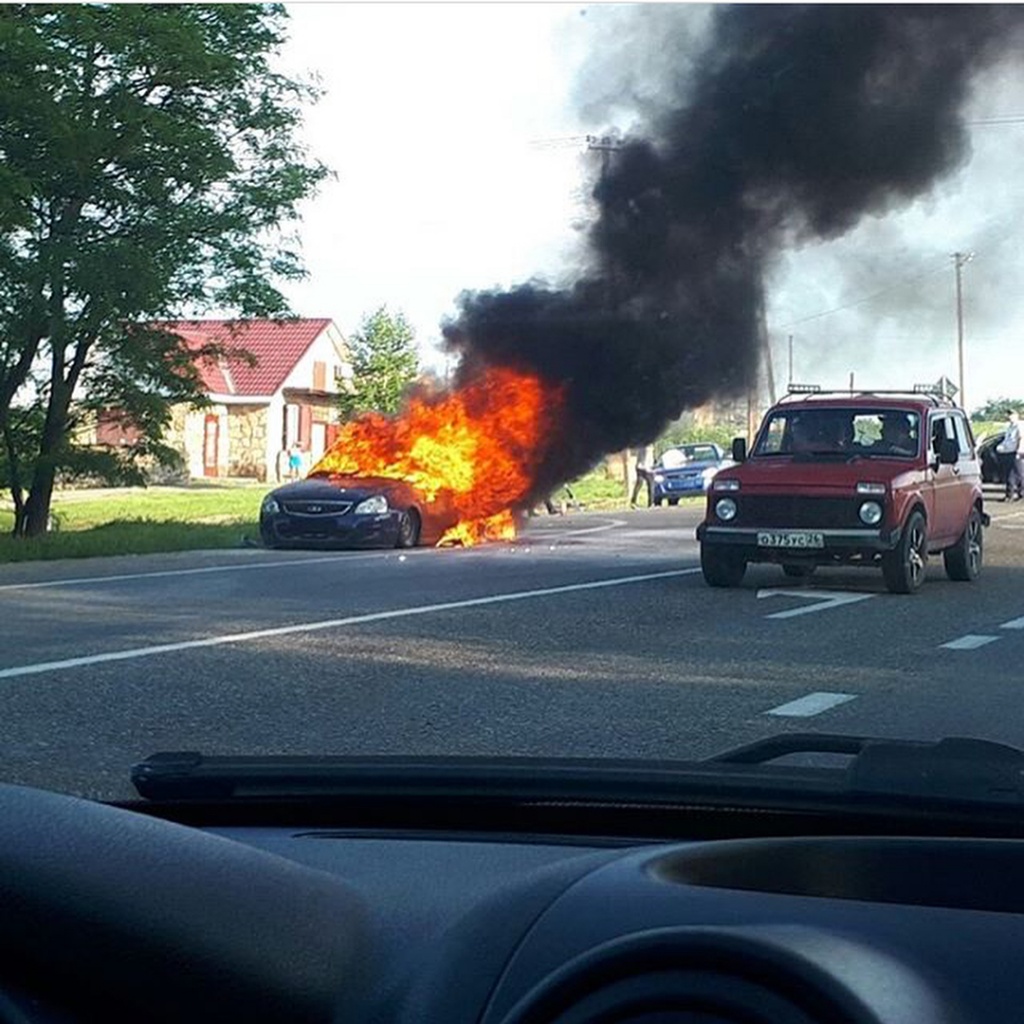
(992, 470)
(686, 469)
(869, 478)
(325, 510)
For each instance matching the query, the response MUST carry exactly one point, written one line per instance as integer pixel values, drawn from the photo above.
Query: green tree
(996, 409)
(384, 363)
(148, 165)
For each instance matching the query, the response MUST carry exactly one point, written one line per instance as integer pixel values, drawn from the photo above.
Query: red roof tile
(277, 345)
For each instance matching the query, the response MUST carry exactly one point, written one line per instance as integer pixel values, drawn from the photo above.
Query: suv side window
(963, 435)
(942, 429)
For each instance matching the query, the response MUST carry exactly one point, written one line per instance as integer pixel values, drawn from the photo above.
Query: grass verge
(134, 521)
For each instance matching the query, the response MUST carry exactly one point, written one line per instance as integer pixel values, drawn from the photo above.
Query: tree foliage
(996, 409)
(384, 363)
(148, 163)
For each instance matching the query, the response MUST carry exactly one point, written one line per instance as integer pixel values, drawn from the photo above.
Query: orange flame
(473, 451)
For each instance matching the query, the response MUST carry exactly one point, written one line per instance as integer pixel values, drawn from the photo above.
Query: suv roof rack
(931, 392)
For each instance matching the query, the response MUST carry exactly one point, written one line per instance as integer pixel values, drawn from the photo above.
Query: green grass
(133, 521)
(597, 490)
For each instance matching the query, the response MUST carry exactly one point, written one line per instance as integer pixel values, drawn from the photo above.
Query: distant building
(289, 396)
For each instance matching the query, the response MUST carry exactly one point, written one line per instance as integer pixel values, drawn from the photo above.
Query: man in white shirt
(1007, 450)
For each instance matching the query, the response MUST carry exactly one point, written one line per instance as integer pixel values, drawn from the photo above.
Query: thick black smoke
(794, 124)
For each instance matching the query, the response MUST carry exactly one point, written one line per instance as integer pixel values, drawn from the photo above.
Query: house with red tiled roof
(285, 394)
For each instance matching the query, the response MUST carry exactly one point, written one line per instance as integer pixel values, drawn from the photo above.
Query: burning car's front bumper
(283, 529)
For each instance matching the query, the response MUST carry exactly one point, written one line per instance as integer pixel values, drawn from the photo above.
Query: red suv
(879, 479)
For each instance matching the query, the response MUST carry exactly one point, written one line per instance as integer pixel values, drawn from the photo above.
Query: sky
(457, 134)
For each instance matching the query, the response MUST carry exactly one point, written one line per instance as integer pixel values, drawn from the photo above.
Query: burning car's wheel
(408, 529)
(903, 568)
(721, 568)
(963, 559)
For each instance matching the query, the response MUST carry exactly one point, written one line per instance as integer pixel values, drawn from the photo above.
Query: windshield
(884, 433)
(678, 456)
(503, 266)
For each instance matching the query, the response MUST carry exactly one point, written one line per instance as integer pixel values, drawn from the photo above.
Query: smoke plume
(789, 126)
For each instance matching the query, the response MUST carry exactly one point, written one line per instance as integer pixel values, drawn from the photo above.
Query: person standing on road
(644, 476)
(1008, 451)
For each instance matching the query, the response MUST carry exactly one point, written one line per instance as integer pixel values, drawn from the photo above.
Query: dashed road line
(812, 704)
(969, 642)
(1013, 624)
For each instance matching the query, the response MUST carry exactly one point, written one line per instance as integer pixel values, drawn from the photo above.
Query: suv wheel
(963, 559)
(721, 568)
(903, 568)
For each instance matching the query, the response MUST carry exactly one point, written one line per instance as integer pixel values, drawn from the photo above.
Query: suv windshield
(884, 433)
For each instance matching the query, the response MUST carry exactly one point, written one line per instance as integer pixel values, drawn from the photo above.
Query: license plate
(791, 539)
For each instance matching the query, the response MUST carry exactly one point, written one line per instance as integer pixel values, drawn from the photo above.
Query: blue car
(686, 469)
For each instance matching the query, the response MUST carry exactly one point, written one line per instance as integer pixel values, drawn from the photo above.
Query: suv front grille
(316, 508)
(756, 510)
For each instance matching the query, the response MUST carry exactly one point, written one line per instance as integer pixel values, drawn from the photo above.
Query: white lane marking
(610, 525)
(1013, 624)
(311, 627)
(825, 599)
(554, 532)
(812, 704)
(968, 642)
(156, 574)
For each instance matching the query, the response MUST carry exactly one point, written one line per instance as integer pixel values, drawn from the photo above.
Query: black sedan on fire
(351, 512)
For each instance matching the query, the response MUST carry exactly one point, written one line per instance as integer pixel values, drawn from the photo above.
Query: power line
(866, 298)
(1008, 119)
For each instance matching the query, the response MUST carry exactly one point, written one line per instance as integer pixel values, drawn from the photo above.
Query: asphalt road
(592, 635)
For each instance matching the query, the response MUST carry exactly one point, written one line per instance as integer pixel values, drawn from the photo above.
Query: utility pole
(605, 145)
(959, 259)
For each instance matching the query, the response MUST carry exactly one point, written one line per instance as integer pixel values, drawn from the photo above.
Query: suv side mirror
(739, 449)
(949, 451)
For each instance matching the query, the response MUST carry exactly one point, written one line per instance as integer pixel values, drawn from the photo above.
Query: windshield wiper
(880, 773)
(951, 769)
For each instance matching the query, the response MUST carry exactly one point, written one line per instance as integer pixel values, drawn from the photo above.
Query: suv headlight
(270, 506)
(375, 506)
(870, 513)
(725, 485)
(725, 509)
(870, 488)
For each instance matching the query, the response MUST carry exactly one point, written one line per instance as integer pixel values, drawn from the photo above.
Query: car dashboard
(558, 913)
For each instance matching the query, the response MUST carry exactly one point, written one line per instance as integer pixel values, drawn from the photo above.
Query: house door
(318, 441)
(211, 445)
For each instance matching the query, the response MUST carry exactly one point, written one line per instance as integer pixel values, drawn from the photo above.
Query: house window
(319, 376)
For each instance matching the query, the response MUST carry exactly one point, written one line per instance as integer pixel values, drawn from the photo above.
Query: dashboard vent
(712, 976)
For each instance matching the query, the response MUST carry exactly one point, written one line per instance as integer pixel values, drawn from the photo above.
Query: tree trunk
(37, 508)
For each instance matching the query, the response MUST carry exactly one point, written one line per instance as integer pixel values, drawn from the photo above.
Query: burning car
(449, 469)
(326, 510)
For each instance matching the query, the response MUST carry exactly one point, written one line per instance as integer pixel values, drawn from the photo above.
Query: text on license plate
(791, 539)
